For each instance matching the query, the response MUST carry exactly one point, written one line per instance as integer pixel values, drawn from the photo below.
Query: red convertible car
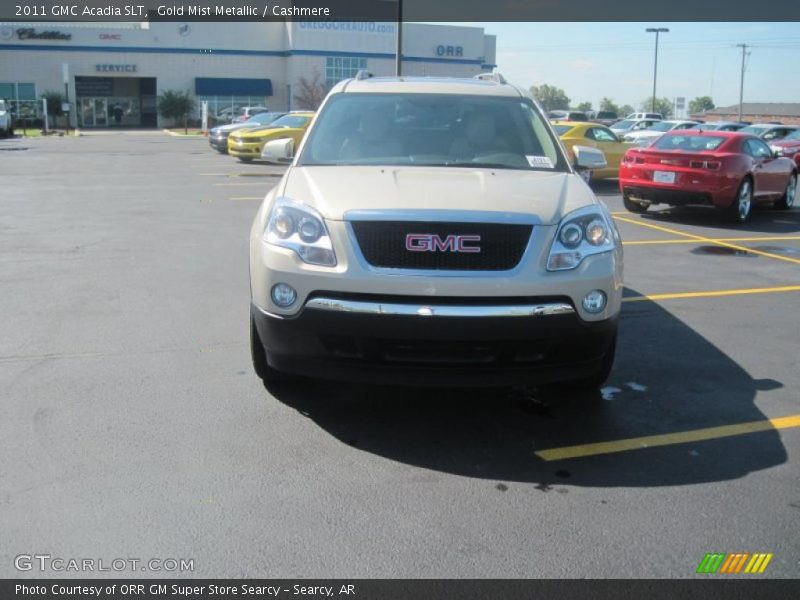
(731, 171)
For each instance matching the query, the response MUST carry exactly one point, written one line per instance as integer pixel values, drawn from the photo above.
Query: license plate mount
(664, 176)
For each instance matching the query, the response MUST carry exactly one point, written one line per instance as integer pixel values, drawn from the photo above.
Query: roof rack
(496, 77)
(363, 74)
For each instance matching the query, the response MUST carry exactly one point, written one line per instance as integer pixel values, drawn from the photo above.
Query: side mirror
(279, 151)
(589, 159)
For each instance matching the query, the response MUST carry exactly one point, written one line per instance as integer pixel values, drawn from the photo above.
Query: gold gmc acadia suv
(433, 231)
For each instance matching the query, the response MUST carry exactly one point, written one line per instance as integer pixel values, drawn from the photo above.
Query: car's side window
(757, 149)
(603, 135)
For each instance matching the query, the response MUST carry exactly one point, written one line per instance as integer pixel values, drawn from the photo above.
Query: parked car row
(247, 140)
(727, 165)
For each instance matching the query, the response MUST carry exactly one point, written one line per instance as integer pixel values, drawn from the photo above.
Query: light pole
(398, 38)
(398, 52)
(656, 30)
(741, 80)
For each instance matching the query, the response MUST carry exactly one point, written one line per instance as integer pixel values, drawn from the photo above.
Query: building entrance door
(93, 112)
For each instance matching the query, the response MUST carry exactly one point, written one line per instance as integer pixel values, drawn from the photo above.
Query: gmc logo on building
(430, 242)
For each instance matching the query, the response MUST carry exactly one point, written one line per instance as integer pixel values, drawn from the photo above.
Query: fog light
(284, 295)
(594, 301)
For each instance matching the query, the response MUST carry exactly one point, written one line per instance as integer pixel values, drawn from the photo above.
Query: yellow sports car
(246, 144)
(594, 135)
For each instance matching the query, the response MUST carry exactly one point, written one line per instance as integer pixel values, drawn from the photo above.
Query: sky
(593, 60)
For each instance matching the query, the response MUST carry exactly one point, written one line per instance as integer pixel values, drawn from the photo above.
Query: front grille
(383, 244)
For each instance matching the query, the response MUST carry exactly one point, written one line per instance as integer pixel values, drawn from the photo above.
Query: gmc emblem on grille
(430, 242)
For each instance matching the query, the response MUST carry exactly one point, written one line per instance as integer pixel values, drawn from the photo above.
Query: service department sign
(115, 68)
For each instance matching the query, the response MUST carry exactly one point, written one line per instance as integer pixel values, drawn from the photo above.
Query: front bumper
(245, 149)
(219, 142)
(442, 341)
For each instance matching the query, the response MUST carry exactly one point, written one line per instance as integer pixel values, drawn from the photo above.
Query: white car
(433, 230)
(6, 125)
(621, 128)
(645, 115)
(645, 136)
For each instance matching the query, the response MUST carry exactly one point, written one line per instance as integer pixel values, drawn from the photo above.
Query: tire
(742, 206)
(787, 200)
(266, 373)
(634, 206)
(222, 150)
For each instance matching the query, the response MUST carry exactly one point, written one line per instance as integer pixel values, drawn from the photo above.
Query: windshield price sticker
(541, 162)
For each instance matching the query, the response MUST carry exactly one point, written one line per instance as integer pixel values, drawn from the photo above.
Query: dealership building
(115, 71)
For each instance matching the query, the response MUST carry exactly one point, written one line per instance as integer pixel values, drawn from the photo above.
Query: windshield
(293, 121)
(795, 135)
(688, 143)
(264, 118)
(442, 130)
(754, 129)
(626, 124)
(662, 126)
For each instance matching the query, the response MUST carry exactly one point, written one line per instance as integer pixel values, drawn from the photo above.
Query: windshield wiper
(478, 165)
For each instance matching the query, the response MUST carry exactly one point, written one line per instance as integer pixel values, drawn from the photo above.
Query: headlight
(300, 228)
(582, 233)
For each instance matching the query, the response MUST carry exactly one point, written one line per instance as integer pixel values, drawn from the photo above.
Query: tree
(550, 97)
(177, 106)
(54, 101)
(312, 91)
(625, 110)
(700, 104)
(663, 106)
(608, 105)
(584, 106)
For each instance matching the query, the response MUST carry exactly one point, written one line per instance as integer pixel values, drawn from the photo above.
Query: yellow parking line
(245, 198)
(668, 439)
(713, 293)
(708, 240)
(773, 238)
(237, 184)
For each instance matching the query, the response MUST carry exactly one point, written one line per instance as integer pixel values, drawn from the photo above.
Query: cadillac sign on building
(29, 33)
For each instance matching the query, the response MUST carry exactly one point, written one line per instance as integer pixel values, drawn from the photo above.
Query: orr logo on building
(736, 563)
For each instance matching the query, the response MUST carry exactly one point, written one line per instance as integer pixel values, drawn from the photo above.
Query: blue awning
(228, 86)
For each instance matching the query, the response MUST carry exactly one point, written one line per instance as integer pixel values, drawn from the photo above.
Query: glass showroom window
(224, 108)
(342, 67)
(21, 97)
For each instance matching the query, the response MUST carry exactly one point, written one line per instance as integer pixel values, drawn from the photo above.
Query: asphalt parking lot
(133, 426)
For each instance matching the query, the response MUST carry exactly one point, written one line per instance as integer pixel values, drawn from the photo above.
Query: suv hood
(234, 126)
(335, 190)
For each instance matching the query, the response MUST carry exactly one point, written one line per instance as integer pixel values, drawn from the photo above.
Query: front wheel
(787, 200)
(634, 206)
(742, 205)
